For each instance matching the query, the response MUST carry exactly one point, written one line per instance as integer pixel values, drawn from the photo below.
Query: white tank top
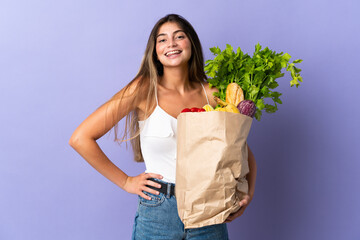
(158, 142)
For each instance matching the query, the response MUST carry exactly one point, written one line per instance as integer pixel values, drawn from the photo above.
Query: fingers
(153, 175)
(233, 216)
(243, 202)
(230, 219)
(150, 190)
(152, 183)
(143, 195)
(145, 182)
(144, 188)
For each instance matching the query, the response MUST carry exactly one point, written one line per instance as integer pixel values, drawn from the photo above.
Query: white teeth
(172, 52)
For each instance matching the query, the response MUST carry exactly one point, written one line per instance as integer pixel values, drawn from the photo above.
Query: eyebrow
(163, 34)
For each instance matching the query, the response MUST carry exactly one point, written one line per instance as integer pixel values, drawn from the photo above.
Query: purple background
(60, 60)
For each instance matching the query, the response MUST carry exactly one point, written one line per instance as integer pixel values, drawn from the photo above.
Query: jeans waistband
(166, 188)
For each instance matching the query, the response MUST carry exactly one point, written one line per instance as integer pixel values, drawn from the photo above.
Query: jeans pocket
(156, 200)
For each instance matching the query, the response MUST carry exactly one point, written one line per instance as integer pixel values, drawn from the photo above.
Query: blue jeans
(158, 219)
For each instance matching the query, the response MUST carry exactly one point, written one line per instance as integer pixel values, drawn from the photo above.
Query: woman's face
(173, 47)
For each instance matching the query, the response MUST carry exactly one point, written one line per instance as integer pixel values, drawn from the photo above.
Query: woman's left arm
(251, 178)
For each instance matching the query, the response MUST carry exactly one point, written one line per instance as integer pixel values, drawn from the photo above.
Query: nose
(172, 43)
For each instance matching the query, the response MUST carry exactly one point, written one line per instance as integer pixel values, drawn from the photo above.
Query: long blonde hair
(148, 76)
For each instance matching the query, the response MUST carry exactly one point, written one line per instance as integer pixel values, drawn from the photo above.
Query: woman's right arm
(83, 140)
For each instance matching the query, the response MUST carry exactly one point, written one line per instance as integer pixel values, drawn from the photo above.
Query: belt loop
(168, 190)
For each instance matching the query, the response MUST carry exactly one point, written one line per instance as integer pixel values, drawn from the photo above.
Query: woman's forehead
(169, 28)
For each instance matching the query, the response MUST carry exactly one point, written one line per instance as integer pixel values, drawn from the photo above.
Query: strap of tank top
(205, 93)
(157, 102)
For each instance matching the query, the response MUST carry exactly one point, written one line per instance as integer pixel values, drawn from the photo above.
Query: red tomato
(186, 110)
(201, 110)
(194, 109)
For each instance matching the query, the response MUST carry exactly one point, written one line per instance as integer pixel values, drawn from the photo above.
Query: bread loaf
(234, 94)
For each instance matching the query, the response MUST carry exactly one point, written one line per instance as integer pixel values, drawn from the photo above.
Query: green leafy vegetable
(256, 75)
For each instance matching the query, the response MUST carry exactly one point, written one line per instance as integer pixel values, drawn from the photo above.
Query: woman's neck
(176, 78)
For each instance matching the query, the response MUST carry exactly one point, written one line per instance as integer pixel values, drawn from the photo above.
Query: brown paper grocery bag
(211, 166)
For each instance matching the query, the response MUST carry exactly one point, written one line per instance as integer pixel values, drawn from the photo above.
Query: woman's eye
(161, 40)
(180, 36)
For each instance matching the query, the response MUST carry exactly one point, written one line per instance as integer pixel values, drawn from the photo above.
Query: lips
(171, 53)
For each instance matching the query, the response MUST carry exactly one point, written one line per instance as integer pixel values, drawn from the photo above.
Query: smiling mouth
(172, 53)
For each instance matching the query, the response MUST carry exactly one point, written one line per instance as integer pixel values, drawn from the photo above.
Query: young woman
(171, 78)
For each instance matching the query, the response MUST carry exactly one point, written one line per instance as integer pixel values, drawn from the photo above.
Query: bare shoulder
(108, 114)
(134, 93)
(131, 88)
(210, 93)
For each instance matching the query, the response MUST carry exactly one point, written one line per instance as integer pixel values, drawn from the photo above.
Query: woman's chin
(177, 62)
